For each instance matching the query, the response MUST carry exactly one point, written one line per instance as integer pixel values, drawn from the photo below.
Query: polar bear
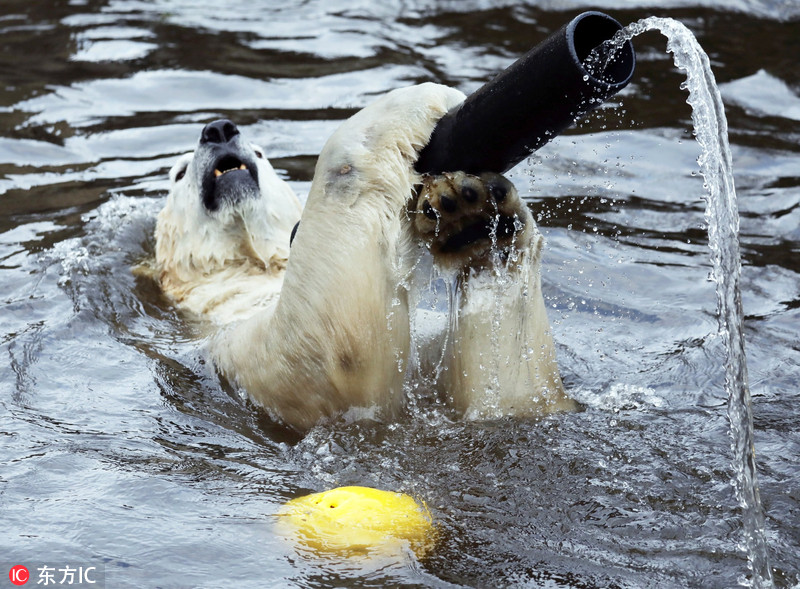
(313, 334)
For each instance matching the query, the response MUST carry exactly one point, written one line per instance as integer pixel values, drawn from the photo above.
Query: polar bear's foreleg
(503, 358)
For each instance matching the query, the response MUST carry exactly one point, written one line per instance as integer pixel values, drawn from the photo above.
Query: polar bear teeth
(218, 172)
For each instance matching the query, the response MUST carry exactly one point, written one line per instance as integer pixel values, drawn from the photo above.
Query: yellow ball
(358, 520)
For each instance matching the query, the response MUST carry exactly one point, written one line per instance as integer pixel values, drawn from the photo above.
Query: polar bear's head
(228, 214)
(222, 171)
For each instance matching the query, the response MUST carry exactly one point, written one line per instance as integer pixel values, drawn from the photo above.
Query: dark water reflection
(121, 446)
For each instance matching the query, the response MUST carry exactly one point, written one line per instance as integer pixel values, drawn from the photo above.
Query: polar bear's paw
(464, 218)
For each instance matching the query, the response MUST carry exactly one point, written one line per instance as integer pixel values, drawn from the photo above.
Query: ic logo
(19, 575)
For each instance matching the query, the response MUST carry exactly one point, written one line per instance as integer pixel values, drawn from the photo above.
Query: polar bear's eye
(180, 174)
(259, 155)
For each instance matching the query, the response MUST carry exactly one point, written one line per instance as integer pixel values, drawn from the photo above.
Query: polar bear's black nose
(220, 131)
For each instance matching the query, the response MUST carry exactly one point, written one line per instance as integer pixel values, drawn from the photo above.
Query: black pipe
(530, 102)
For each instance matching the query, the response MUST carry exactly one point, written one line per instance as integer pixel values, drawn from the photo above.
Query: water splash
(711, 130)
(433, 300)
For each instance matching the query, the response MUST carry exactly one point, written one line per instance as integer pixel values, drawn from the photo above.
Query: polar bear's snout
(225, 166)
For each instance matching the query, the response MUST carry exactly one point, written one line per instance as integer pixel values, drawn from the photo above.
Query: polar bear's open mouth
(228, 164)
(229, 178)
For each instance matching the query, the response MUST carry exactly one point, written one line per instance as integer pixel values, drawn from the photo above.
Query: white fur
(338, 335)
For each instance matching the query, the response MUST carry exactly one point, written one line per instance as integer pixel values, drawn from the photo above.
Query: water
(722, 216)
(711, 130)
(121, 446)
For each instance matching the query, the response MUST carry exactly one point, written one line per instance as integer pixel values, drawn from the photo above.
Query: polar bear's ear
(178, 171)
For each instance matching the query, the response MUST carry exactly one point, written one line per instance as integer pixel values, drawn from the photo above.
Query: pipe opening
(588, 32)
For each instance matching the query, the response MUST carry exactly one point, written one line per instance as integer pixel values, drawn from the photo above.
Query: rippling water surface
(120, 446)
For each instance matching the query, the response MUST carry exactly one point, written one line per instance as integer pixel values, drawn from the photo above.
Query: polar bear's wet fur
(313, 334)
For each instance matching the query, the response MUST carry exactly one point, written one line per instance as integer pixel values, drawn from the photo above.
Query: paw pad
(459, 214)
